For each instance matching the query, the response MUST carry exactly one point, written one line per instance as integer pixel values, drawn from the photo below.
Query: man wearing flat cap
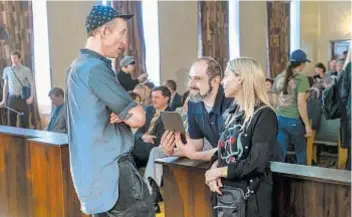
(127, 64)
(99, 116)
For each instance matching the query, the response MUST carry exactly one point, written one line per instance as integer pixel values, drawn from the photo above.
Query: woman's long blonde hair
(253, 84)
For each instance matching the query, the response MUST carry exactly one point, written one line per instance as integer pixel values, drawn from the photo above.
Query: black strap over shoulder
(17, 77)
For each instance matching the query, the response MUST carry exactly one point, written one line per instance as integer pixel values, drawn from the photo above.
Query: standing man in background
(125, 75)
(100, 114)
(16, 77)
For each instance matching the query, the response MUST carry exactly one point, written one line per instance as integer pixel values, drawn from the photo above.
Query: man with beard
(205, 108)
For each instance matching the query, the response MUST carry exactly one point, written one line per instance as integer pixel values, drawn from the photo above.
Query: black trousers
(19, 104)
(134, 198)
(141, 152)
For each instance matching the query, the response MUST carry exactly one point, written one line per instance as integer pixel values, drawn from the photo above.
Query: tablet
(172, 121)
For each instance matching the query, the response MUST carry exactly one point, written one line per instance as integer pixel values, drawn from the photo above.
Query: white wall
(66, 35)
(178, 28)
(335, 24)
(310, 31)
(253, 31)
(322, 22)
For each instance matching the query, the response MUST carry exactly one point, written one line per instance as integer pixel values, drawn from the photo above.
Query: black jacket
(345, 106)
(176, 102)
(126, 80)
(248, 160)
(158, 129)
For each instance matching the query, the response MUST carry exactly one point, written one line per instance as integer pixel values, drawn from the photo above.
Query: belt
(125, 157)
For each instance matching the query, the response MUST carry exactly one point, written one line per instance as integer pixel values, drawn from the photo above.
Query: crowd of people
(236, 118)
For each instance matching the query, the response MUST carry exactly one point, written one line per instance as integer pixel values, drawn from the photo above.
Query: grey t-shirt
(208, 108)
(24, 76)
(95, 145)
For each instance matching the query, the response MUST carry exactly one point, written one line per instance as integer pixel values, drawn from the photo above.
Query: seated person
(57, 121)
(154, 172)
(135, 96)
(141, 90)
(176, 99)
(149, 87)
(127, 64)
(144, 90)
(183, 110)
(272, 96)
(148, 136)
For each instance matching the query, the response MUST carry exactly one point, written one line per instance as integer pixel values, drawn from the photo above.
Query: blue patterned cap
(100, 14)
(299, 56)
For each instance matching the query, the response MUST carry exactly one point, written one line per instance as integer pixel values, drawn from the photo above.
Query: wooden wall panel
(186, 193)
(298, 191)
(278, 13)
(214, 30)
(35, 178)
(46, 180)
(304, 198)
(14, 174)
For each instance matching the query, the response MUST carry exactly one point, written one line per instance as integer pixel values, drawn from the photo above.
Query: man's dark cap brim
(125, 16)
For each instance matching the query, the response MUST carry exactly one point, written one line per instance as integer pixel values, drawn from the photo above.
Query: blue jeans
(291, 131)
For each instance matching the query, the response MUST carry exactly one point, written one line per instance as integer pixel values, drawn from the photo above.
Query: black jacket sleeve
(345, 89)
(263, 139)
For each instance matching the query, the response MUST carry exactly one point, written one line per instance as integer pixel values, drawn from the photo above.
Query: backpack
(331, 101)
(314, 107)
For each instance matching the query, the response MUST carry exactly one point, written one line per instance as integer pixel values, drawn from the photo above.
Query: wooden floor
(162, 214)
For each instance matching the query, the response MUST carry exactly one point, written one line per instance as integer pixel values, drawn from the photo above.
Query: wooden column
(278, 13)
(214, 30)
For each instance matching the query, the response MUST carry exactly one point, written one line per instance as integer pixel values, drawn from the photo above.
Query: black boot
(156, 195)
(157, 208)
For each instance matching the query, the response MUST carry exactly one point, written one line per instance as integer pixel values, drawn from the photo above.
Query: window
(338, 47)
(295, 19)
(234, 28)
(104, 2)
(41, 56)
(151, 38)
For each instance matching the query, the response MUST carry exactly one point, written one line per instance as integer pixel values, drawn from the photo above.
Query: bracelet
(224, 172)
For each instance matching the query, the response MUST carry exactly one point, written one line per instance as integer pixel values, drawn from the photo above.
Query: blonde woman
(240, 175)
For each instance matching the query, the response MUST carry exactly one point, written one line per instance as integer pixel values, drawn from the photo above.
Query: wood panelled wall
(17, 21)
(15, 17)
(136, 44)
(213, 30)
(278, 36)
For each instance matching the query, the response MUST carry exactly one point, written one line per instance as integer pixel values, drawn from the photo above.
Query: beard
(198, 97)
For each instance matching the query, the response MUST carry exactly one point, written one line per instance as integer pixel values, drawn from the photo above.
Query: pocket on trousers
(137, 185)
(296, 128)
